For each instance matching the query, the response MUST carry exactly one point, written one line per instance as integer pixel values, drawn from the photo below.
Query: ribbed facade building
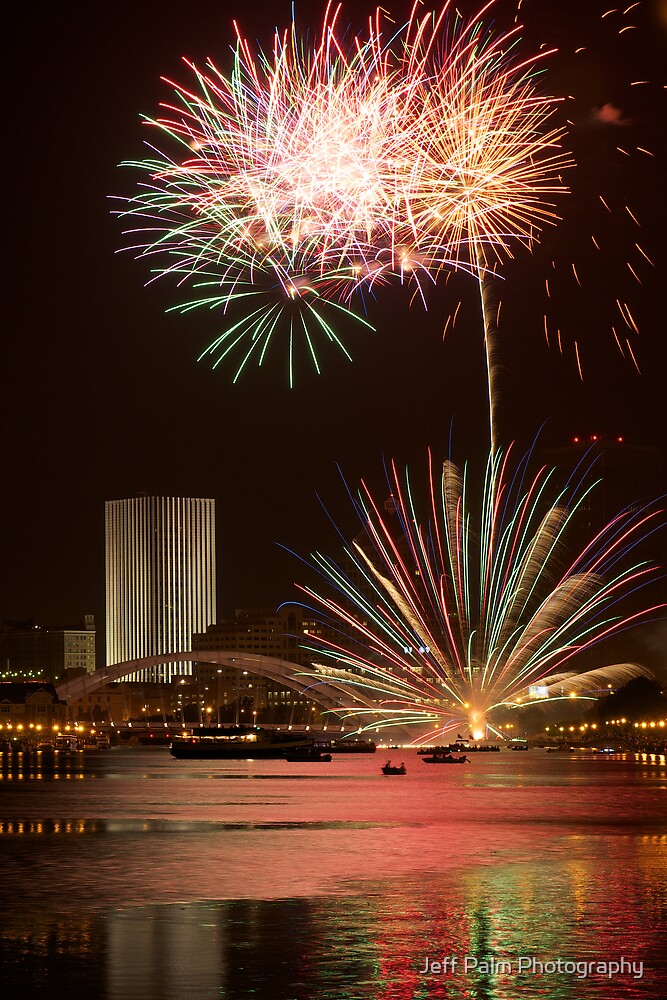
(160, 578)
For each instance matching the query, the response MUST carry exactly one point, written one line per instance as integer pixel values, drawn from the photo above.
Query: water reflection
(43, 765)
(370, 946)
(338, 887)
(13, 828)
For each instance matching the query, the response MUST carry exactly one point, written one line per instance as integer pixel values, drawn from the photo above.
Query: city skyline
(112, 402)
(332, 573)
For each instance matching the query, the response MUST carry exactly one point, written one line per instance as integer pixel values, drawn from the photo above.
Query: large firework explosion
(319, 171)
(438, 623)
(273, 187)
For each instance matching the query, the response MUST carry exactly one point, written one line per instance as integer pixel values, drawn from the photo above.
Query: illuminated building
(160, 578)
(30, 707)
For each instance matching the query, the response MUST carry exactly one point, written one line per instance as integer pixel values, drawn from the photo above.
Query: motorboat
(66, 742)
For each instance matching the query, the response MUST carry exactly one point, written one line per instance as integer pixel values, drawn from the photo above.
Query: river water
(127, 874)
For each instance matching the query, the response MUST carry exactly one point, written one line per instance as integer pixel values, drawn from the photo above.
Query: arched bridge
(284, 672)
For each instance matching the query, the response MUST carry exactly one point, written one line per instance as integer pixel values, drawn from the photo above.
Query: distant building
(631, 475)
(160, 579)
(106, 704)
(30, 707)
(264, 631)
(30, 651)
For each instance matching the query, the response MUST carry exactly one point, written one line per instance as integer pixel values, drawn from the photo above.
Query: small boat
(388, 769)
(457, 747)
(445, 759)
(307, 755)
(67, 743)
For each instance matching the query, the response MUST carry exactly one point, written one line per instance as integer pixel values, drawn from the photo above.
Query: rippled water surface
(127, 874)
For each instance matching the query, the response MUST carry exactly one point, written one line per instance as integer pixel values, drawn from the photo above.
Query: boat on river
(389, 769)
(238, 743)
(307, 755)
(351, 746)
(67, 743)
(445, 759)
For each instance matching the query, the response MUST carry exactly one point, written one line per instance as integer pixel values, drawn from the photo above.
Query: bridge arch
(326, 694)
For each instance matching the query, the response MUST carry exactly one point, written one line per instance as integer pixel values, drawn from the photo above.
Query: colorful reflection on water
(130, 875)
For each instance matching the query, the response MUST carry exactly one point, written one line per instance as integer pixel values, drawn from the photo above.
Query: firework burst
(490, 160)
(313, 173)
(275, 191)
(442, 622)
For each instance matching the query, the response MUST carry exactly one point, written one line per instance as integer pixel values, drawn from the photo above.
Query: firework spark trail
(454, 617)
(489, 161)
(611, 166)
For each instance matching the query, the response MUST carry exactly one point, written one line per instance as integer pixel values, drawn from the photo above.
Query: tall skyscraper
(160, 578)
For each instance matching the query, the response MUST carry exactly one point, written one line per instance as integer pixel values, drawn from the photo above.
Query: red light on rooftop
(594, 437)
(620, 440)
(576, 440)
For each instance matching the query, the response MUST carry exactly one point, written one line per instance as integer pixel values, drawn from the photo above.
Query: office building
(160, 579)
(630, 476)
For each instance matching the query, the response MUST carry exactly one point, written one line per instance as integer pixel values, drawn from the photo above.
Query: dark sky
(103, 397)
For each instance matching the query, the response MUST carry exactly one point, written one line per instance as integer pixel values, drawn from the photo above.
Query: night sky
(102, 394)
